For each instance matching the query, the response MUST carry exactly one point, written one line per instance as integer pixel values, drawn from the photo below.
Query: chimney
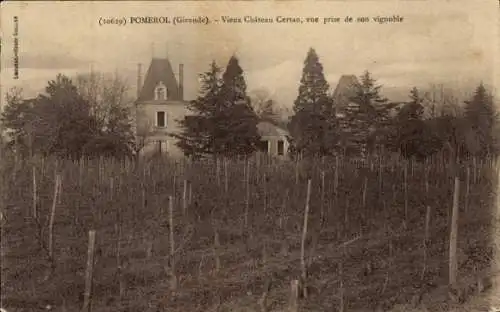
(139, 79)
(181, 82)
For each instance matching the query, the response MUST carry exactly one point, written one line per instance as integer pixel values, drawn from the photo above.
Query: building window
(281, 147)
(161, 119)
(264, 146)
(160, 92)
(162, 147)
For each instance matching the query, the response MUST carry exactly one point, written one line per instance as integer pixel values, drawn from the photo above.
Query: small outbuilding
(273, 139)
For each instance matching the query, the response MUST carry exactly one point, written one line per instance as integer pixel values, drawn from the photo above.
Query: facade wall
(147, 124)
(273, 145)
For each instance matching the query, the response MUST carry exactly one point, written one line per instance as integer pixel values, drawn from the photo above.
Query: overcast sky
(444, 42)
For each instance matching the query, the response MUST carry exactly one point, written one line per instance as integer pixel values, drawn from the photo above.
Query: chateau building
(160, 104)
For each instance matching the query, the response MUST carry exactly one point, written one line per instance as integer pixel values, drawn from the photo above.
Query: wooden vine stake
(87, 299)
(453, 236)
(119, 268)
(322, 212)
(59, 192)
(226, 176)
(303, 243)
(57, 189)
(263, 299)
(216, 249)
(426, 239)
(185, 197)
(342, 287)
(380, 176)
(190, 201)
(173, 277)
(496, 236)
(143, 188)
(42, 169)
(467, 188)
(247, 192)
(111, 188)
(365, 187)
(35, 213)
(297, 171)
(406, 193)
(217, 171)
(336, 180)
(427, 181)
(264, 182)
(294, 296)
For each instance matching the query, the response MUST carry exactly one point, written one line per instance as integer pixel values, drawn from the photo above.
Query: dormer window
(161, 91)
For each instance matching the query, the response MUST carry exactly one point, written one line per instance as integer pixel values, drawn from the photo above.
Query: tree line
(223, 122)
(92, 116)
(86, 117)
(370, 122)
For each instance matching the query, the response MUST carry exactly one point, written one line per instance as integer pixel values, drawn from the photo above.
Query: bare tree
(105, 93)
(263, 105)
(111, 107)
(440, 100)
(450, 103)
(268, 109)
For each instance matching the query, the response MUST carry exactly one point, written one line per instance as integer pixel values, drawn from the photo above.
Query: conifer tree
(414, 110)
(481, 116)
(223, 122)
(313, 125)
(238, 121)
(366, 115)
(409, 127)
(199, 128)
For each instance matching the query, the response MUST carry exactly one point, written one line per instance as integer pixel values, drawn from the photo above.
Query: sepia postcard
(250, 156)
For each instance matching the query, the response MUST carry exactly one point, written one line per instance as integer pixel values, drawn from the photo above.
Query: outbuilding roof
(268, 129)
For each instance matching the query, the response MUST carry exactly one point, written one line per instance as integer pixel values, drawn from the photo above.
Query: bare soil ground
(379, 212)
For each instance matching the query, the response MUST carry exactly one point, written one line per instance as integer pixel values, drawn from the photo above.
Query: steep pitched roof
(159, 70)
(267, 129)
(345, 90)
